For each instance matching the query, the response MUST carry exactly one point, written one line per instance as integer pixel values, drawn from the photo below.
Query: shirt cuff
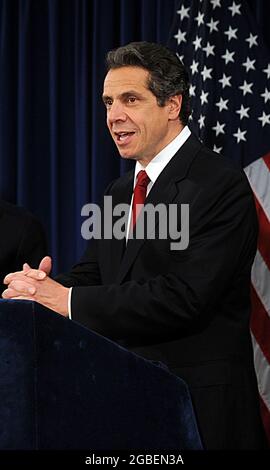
(69, 303)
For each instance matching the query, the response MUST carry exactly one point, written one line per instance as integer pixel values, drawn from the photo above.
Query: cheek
(160, 124)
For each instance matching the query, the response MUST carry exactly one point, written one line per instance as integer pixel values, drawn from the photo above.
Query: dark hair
(167, 75)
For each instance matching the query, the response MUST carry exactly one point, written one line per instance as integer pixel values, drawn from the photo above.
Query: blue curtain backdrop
(55, 151)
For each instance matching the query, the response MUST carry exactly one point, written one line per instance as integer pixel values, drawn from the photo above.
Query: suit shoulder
(211, 168)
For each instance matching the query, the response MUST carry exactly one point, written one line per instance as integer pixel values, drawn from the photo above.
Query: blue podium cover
(63, 386)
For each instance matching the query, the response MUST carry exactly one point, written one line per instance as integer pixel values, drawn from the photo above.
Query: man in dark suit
(22, 239)
(188, 308)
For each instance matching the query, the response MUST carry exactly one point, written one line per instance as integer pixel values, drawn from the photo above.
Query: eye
(108, 103)
(131, 99)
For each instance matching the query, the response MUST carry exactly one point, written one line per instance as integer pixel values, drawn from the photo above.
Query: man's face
(139, 127)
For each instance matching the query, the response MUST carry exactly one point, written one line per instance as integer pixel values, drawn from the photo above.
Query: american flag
(229, 69)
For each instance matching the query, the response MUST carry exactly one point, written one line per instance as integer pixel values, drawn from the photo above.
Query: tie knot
(142, 179)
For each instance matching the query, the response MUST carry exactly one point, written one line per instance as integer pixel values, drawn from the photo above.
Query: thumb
(46, 265)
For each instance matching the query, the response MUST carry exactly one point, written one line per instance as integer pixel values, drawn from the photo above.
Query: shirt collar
(158, 163)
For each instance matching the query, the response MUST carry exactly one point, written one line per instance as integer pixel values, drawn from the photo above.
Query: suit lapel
(164, 191)
(123, 195)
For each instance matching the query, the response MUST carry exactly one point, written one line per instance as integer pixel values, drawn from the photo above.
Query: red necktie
(139, 194)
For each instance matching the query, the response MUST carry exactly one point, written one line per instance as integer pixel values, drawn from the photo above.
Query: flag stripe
(265, 417)
(259, 178)
(260, 277)
(262, 368)
(267, 160)
(260, 324)
(264, 234)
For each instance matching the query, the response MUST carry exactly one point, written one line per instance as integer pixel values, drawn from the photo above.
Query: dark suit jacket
(22, 240)
(189, 309)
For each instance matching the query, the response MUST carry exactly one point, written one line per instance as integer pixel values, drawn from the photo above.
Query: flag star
(217, 149)
(203, 97)
(206, 73)
(199, 18)
(265, 118)
(201, 121)
(212, 25)
(208, 49)
(267, 71)
(192, 90)
(266, 95)
(225, 81)
(235, 9)
(194, 67)
(252, 40)
(222, 104)
(180, 36)
(197, 43)
(249, 64)
(240, 135)
(228, 56)
(246, 87)
(180, 57)
(219, 128)
(231, 33)
(215, 3)
(243, 112)
(183, 12)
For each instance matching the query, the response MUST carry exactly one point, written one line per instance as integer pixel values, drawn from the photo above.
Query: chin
(127, 156)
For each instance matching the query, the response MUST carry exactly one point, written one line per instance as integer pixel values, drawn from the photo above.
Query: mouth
(123, 138)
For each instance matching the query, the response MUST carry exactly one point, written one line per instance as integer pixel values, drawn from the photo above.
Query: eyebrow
(124, 95)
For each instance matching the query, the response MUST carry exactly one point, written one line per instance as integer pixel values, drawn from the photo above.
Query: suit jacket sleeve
(86, 272)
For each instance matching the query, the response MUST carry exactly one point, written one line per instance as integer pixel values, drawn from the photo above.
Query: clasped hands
(35, 284)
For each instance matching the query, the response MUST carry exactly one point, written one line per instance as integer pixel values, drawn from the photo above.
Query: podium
(63, 386)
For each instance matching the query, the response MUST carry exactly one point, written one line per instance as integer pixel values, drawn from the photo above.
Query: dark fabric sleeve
(86, 272)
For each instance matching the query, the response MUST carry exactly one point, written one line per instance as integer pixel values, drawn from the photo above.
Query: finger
(22, 297)
(26, 267)
(46, 265)
(35, 274)
(11, 276)
(22, 287)
(10, 294)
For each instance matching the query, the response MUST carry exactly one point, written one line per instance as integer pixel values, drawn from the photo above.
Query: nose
(116, 112)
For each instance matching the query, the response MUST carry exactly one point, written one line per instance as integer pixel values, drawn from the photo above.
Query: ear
(174, 104)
